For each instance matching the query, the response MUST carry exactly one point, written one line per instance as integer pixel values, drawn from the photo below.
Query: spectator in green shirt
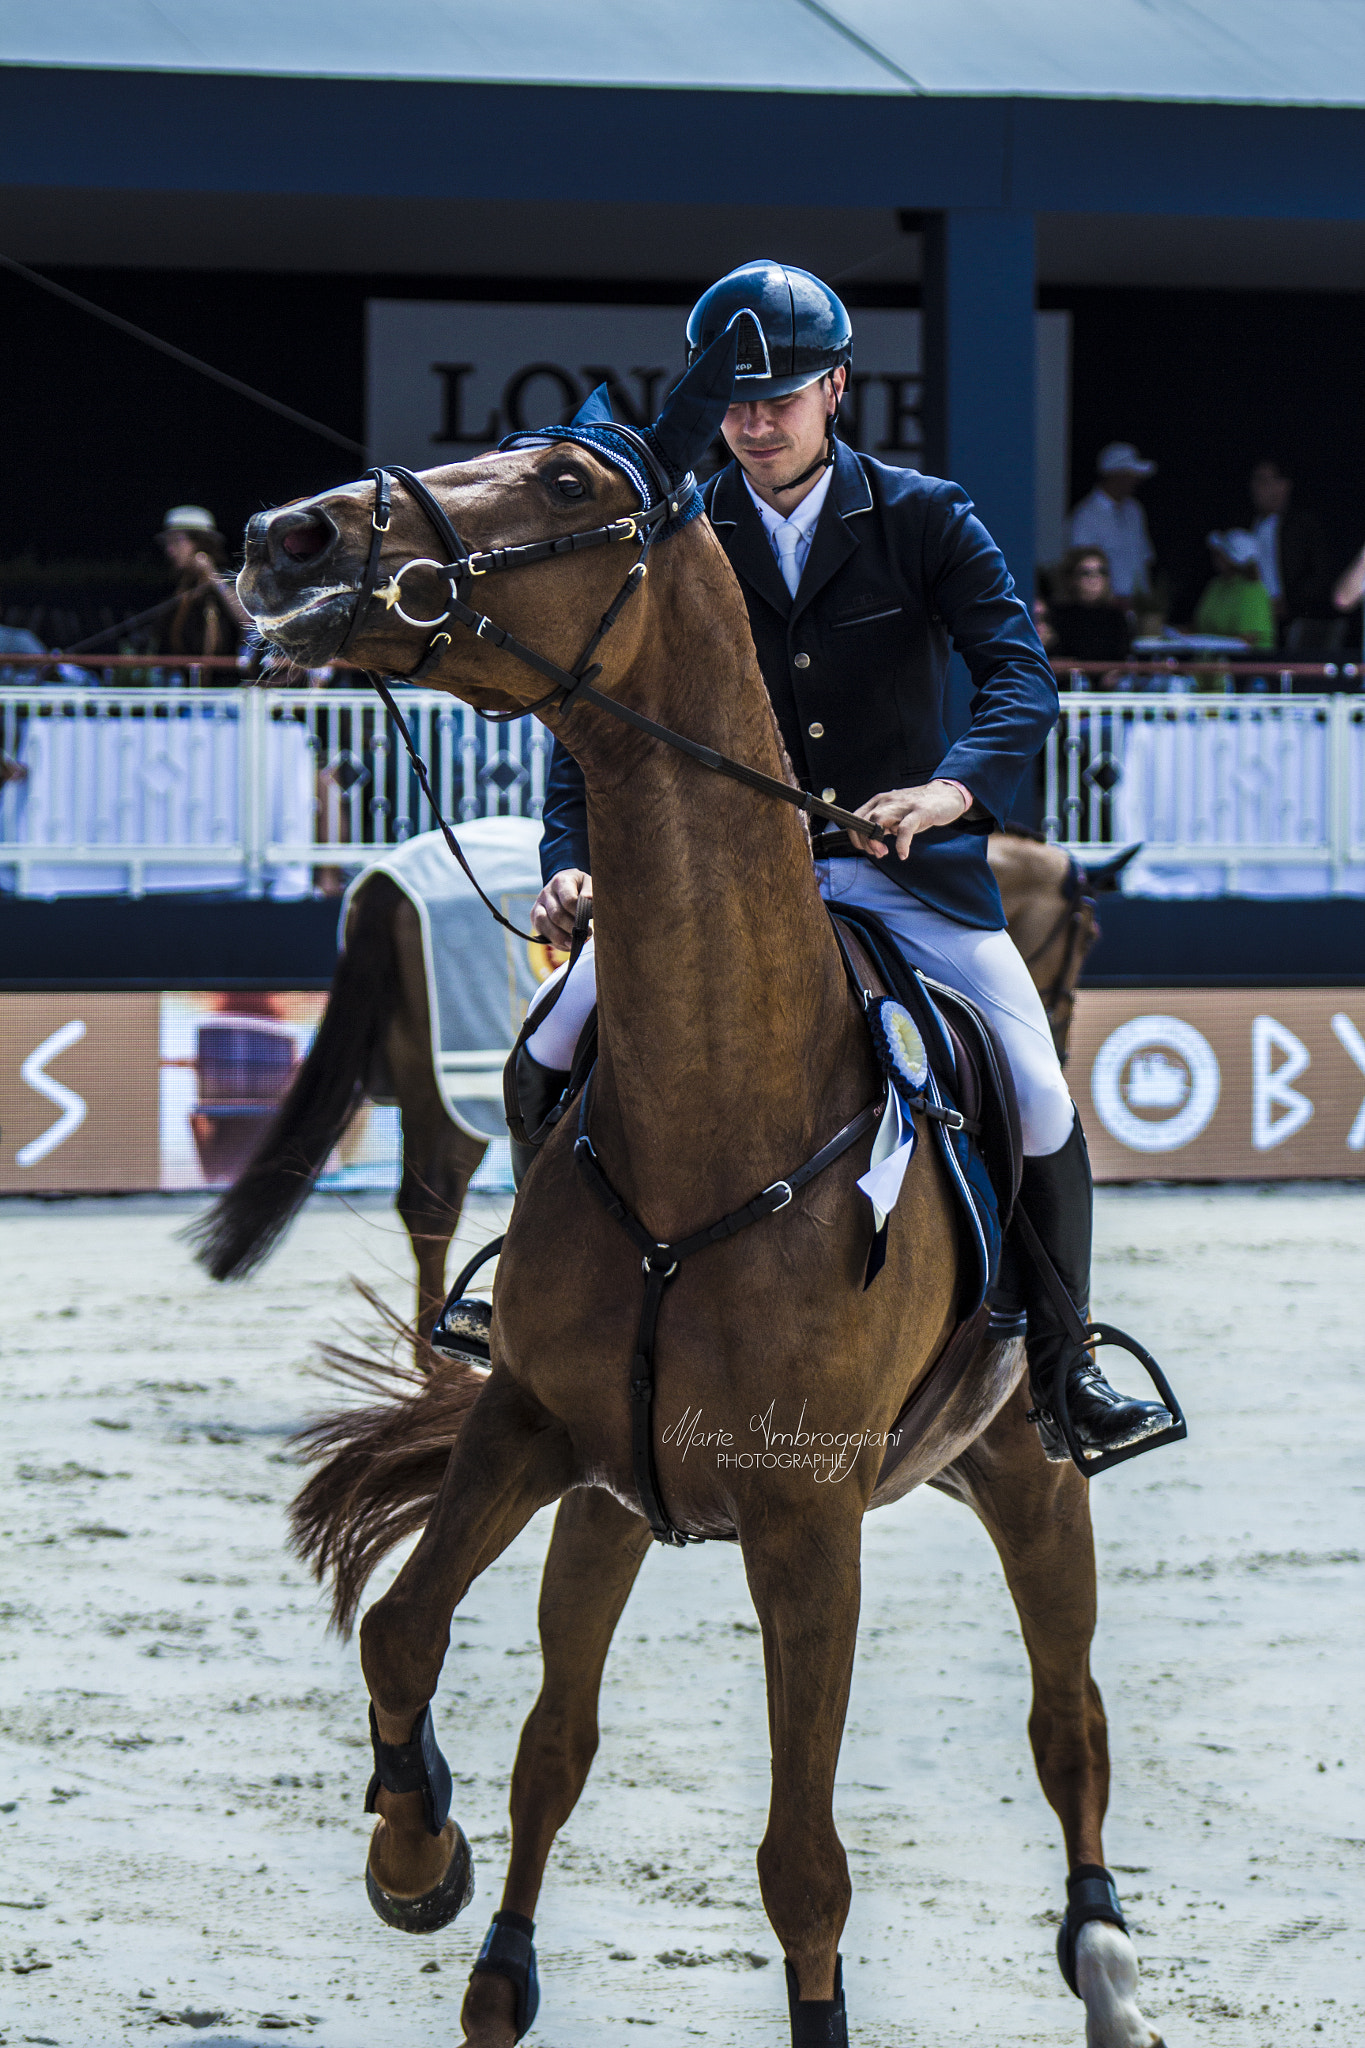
(1235, 602)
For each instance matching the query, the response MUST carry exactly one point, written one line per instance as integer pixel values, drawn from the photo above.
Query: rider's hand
(552, 914)
(906, 812)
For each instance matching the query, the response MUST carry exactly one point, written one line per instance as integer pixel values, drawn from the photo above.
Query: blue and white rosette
(900, 1049)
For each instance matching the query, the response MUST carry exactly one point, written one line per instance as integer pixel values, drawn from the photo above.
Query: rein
(570, 686)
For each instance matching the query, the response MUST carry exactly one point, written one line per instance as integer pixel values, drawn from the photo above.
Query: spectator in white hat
(1235, 602)
(1112, 519)
(209, 619)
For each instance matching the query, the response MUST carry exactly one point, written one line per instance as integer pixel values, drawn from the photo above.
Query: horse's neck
(730, 1047)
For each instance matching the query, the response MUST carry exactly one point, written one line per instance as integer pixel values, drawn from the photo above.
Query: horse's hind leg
(594, 1557)
(438, 1157)
(805, 1577)
(1038, 1516)
(507, 1462)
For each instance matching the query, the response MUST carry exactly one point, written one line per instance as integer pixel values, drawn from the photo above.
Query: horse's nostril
(304, 543)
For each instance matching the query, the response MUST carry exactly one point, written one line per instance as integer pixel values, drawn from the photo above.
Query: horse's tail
(383, 1464)
(246, 1223)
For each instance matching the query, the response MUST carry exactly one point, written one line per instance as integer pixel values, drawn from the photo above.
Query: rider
(860, 579)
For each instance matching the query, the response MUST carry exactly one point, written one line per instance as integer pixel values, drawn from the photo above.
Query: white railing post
(1339, 790)
(253, 797)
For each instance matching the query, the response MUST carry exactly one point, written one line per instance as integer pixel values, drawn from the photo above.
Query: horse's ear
(691, 419)
(595, 411)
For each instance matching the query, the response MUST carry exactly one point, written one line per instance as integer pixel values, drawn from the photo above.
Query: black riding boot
(1057, 1195)
(538, 1090)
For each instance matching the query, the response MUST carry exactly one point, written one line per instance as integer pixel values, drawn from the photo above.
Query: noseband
(664, 502)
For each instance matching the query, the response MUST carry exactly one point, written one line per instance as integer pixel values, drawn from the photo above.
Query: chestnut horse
(732, 1051)
(375, 1037)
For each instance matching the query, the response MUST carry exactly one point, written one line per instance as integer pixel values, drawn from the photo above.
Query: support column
(979, 347)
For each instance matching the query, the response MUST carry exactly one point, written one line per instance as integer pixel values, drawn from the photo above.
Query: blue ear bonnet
(607, 441)
(658, 460)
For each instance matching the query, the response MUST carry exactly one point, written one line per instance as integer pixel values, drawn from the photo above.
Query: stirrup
(1056, 1418)
(462, 1327)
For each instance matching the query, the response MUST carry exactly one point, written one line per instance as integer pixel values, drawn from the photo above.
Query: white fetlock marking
(1107, 1974)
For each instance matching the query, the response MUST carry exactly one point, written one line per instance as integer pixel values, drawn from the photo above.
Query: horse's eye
(570, 486)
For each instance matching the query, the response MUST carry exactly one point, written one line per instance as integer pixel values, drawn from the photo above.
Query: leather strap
(424, 781)
(660, 1263)
(379, 525)
(1067, 1312)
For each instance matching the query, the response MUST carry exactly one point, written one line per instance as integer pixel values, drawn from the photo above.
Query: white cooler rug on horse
(480, 978)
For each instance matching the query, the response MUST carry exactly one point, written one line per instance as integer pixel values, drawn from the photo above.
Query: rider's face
(775, 439)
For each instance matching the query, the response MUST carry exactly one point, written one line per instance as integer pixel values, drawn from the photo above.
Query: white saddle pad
(480, 978)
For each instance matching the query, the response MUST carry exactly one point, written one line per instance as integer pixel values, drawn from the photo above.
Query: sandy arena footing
(183, 1752)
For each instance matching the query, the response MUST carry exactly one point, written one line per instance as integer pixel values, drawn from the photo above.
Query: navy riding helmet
(792, 328)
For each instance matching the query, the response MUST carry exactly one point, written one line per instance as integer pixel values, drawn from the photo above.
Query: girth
(660, 1262)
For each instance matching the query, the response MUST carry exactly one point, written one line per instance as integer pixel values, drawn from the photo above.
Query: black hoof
(433, 1909)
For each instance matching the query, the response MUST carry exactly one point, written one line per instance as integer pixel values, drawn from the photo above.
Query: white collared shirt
(1120, 528)
(804, 517)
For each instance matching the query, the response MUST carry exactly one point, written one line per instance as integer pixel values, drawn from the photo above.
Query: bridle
(664, 502)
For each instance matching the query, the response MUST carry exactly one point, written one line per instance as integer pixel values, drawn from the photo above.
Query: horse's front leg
(508, 1462)
(804, 1567)
(1038, 1516)
(594, 1558)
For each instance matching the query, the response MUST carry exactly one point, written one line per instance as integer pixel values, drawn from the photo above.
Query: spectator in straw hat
(209, 619)
(1112, 519)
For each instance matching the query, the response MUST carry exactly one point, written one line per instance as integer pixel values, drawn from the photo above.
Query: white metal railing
(163, 786)
(133, 786)
(1238, 793)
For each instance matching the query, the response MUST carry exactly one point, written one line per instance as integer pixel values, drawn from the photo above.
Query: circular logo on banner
(1155, 1083)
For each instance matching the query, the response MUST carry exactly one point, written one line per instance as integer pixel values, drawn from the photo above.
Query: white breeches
(553, 1044)
(986, 966)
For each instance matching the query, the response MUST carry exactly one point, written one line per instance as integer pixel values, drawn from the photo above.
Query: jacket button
(801, 661)
(816, 731)
(827, 796)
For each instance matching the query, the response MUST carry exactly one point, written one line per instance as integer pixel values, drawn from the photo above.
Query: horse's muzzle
(298, 581)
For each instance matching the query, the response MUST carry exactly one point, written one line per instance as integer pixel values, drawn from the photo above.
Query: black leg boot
(1057, 1196)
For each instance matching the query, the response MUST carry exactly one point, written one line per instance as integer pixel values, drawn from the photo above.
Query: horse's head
(306, 564)
(348, 572)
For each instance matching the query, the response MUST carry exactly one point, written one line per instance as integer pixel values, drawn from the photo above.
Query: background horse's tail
(247, 1222)
(384, 1463)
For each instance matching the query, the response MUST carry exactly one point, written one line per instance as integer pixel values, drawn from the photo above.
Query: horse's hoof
(433, 1909)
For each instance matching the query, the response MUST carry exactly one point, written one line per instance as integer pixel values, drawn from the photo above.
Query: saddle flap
(977, 1045)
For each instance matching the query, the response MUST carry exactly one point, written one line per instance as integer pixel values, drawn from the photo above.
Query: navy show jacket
(900, 572)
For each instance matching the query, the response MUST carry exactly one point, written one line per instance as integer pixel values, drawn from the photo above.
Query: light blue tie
(787, 539)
